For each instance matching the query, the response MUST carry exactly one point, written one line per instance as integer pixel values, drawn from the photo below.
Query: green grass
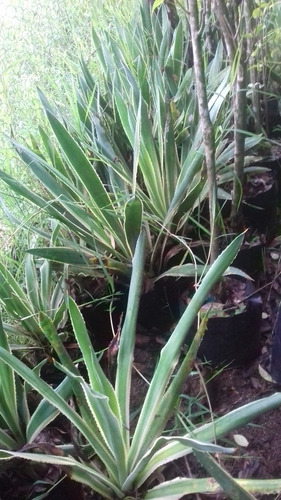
(40, 46)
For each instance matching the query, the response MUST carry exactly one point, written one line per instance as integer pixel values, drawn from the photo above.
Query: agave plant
(134, 146)
(40, 288)
(111, 458)
(41, 291)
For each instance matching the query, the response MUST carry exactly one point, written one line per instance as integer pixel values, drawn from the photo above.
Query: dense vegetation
(149, 130)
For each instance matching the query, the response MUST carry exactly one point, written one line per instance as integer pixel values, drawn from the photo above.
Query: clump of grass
(41, 45)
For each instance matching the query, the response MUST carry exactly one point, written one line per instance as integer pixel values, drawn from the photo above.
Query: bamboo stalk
(206, 123)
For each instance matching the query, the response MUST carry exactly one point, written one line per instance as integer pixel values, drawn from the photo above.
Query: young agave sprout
(41, 292)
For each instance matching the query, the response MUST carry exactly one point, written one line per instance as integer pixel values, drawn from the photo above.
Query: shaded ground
(261, 458)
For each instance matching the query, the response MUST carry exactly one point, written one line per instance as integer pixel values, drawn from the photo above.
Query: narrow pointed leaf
(229, 485)
(31, 282)
(86, 173)
(214, 430)
(177, 488)
(77, 470)
(127, 337)
(61, 254)
(133, 221)
(170, 353)
(58, 402)
(45, 412)
(98, 380)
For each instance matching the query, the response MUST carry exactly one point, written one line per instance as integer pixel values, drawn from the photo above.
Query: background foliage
(40, 45)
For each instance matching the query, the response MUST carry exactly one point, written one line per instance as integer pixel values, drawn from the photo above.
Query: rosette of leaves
(41, 291)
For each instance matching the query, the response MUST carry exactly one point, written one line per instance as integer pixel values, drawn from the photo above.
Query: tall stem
(252, 63)
(235, 42)
(240, 104)
(205, 121)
